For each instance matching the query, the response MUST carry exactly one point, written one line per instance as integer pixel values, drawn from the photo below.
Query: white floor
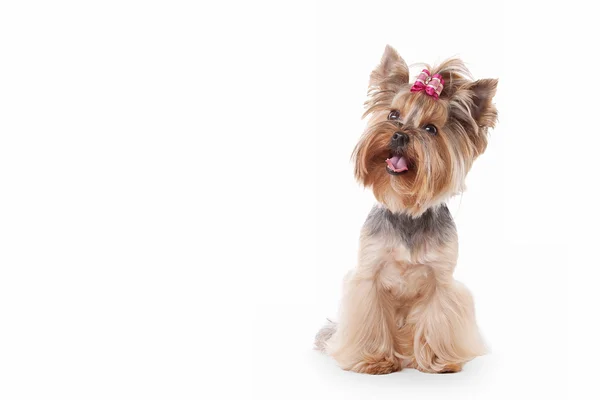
(285, 367)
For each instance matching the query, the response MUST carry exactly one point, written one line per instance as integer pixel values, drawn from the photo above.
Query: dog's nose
(399, 139)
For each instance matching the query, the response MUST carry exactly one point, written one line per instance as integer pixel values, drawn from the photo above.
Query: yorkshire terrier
(401, 307)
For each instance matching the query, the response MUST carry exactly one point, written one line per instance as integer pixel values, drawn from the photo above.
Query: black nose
(399, 139)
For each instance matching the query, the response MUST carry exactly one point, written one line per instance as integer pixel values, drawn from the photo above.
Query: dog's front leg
(446, 334)
(364, 338)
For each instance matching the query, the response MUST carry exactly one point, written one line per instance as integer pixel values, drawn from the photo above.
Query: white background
(177, 206)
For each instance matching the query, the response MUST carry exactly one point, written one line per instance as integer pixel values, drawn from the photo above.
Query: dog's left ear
(391, 73)
(481, 93)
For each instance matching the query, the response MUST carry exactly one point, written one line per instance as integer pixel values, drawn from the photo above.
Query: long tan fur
(401, 306)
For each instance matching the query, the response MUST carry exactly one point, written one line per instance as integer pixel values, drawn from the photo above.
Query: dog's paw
(451, 368)
(380, 366)
(446, 369)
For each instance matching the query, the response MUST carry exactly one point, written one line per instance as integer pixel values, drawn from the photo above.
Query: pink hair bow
(432, 85)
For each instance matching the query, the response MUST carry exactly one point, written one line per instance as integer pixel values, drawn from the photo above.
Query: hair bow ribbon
(432, 85)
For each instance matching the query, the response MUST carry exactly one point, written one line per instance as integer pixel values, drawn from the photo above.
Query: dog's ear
(391, 73)
(481, 93)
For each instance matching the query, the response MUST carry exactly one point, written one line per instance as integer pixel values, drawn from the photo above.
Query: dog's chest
(394, 267)
(405, 251)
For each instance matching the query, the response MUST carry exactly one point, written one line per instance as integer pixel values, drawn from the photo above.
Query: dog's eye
(394, 115)
(431, 129)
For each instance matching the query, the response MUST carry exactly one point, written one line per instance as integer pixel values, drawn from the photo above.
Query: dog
(401, 307)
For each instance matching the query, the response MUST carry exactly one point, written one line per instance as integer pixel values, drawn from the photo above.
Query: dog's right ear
(391, 73)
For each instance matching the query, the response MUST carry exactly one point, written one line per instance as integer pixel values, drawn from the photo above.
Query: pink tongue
(397, 164)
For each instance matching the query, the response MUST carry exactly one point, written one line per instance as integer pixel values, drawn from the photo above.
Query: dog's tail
(324, 334)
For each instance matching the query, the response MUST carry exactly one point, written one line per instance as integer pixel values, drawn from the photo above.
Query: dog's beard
(430, 169)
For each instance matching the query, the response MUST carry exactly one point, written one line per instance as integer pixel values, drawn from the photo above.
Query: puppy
(401, 306)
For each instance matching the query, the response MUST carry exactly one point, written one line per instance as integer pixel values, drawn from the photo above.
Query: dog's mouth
(397, 164)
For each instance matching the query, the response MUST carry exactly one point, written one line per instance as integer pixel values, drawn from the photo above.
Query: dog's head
(422, 137)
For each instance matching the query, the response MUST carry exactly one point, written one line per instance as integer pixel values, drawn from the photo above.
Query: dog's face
(417, 149)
